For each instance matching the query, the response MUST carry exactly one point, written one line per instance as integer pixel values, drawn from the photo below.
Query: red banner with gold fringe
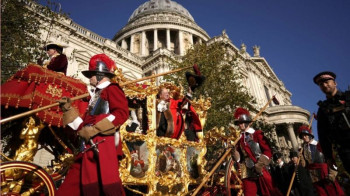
(34, 87)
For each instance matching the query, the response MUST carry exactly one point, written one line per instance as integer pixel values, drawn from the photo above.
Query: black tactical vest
(337, 112)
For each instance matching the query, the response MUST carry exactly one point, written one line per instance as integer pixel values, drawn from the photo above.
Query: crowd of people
(307, 174)
(311, 171)
(315, 166)
(312, 174)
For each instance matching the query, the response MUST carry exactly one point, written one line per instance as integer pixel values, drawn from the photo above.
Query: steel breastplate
(100, 107)
(317, 156)
(255, 148)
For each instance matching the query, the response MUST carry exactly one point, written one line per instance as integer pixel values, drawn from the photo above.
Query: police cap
(324, 76)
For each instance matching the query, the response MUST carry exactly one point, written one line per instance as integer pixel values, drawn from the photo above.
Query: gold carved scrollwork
(220, 135)
(54, 91)
(18, 174)
(202, 106)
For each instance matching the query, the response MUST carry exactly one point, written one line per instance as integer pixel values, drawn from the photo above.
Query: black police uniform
(333, 126)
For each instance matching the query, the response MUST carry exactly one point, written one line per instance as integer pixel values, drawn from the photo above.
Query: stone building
(158, 29)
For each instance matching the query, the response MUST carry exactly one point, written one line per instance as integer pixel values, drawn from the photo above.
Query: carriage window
(137, 121)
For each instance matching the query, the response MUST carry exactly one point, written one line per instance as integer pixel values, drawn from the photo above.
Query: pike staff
(296, 166)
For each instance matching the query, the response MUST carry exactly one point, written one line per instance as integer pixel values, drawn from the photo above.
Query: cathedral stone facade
(159, 29)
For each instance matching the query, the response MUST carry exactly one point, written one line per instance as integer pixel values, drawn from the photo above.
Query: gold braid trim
(3, 155)
(133, 190)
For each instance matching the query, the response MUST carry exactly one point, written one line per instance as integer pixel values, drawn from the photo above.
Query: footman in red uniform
(254, 155)
(96, 171)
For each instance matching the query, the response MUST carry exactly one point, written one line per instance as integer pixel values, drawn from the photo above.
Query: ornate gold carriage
(152, 165)
(164, 165)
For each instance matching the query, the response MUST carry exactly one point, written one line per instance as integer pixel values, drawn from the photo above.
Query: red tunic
(319, 173)
(58, 64)
(177, 113)
(263, 182)
(85, 171)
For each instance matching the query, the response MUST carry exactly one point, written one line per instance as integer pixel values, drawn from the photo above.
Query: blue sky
(298, 38)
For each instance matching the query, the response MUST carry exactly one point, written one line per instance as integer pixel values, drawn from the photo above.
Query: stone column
(181, 43)
(275, 137)
(254, 85)
(155, 39)
(292, 136)
(143, 43)
(132, 44)
(124, 44)
(191, 39)
(168, 39)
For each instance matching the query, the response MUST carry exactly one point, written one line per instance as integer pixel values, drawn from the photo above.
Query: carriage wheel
(233, 183)
(24, 178)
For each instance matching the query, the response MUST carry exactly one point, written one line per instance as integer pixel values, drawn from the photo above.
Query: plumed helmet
(276, 156)
(194, 80)
(305, 130)
(100, 64)
(242, 115)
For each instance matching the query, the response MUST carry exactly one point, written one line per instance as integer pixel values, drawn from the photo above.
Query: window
(267, 94)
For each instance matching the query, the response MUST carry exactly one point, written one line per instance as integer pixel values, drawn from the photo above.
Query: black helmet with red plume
(242, 116)
(100, 65)
(305, 130)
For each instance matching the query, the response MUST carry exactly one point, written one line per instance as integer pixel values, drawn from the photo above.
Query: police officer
(333, 119)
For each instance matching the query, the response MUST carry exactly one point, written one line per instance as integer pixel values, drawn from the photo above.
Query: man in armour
(58, 61)
(333, 119)
(254, 155)
(95, 171)
(323, 176)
